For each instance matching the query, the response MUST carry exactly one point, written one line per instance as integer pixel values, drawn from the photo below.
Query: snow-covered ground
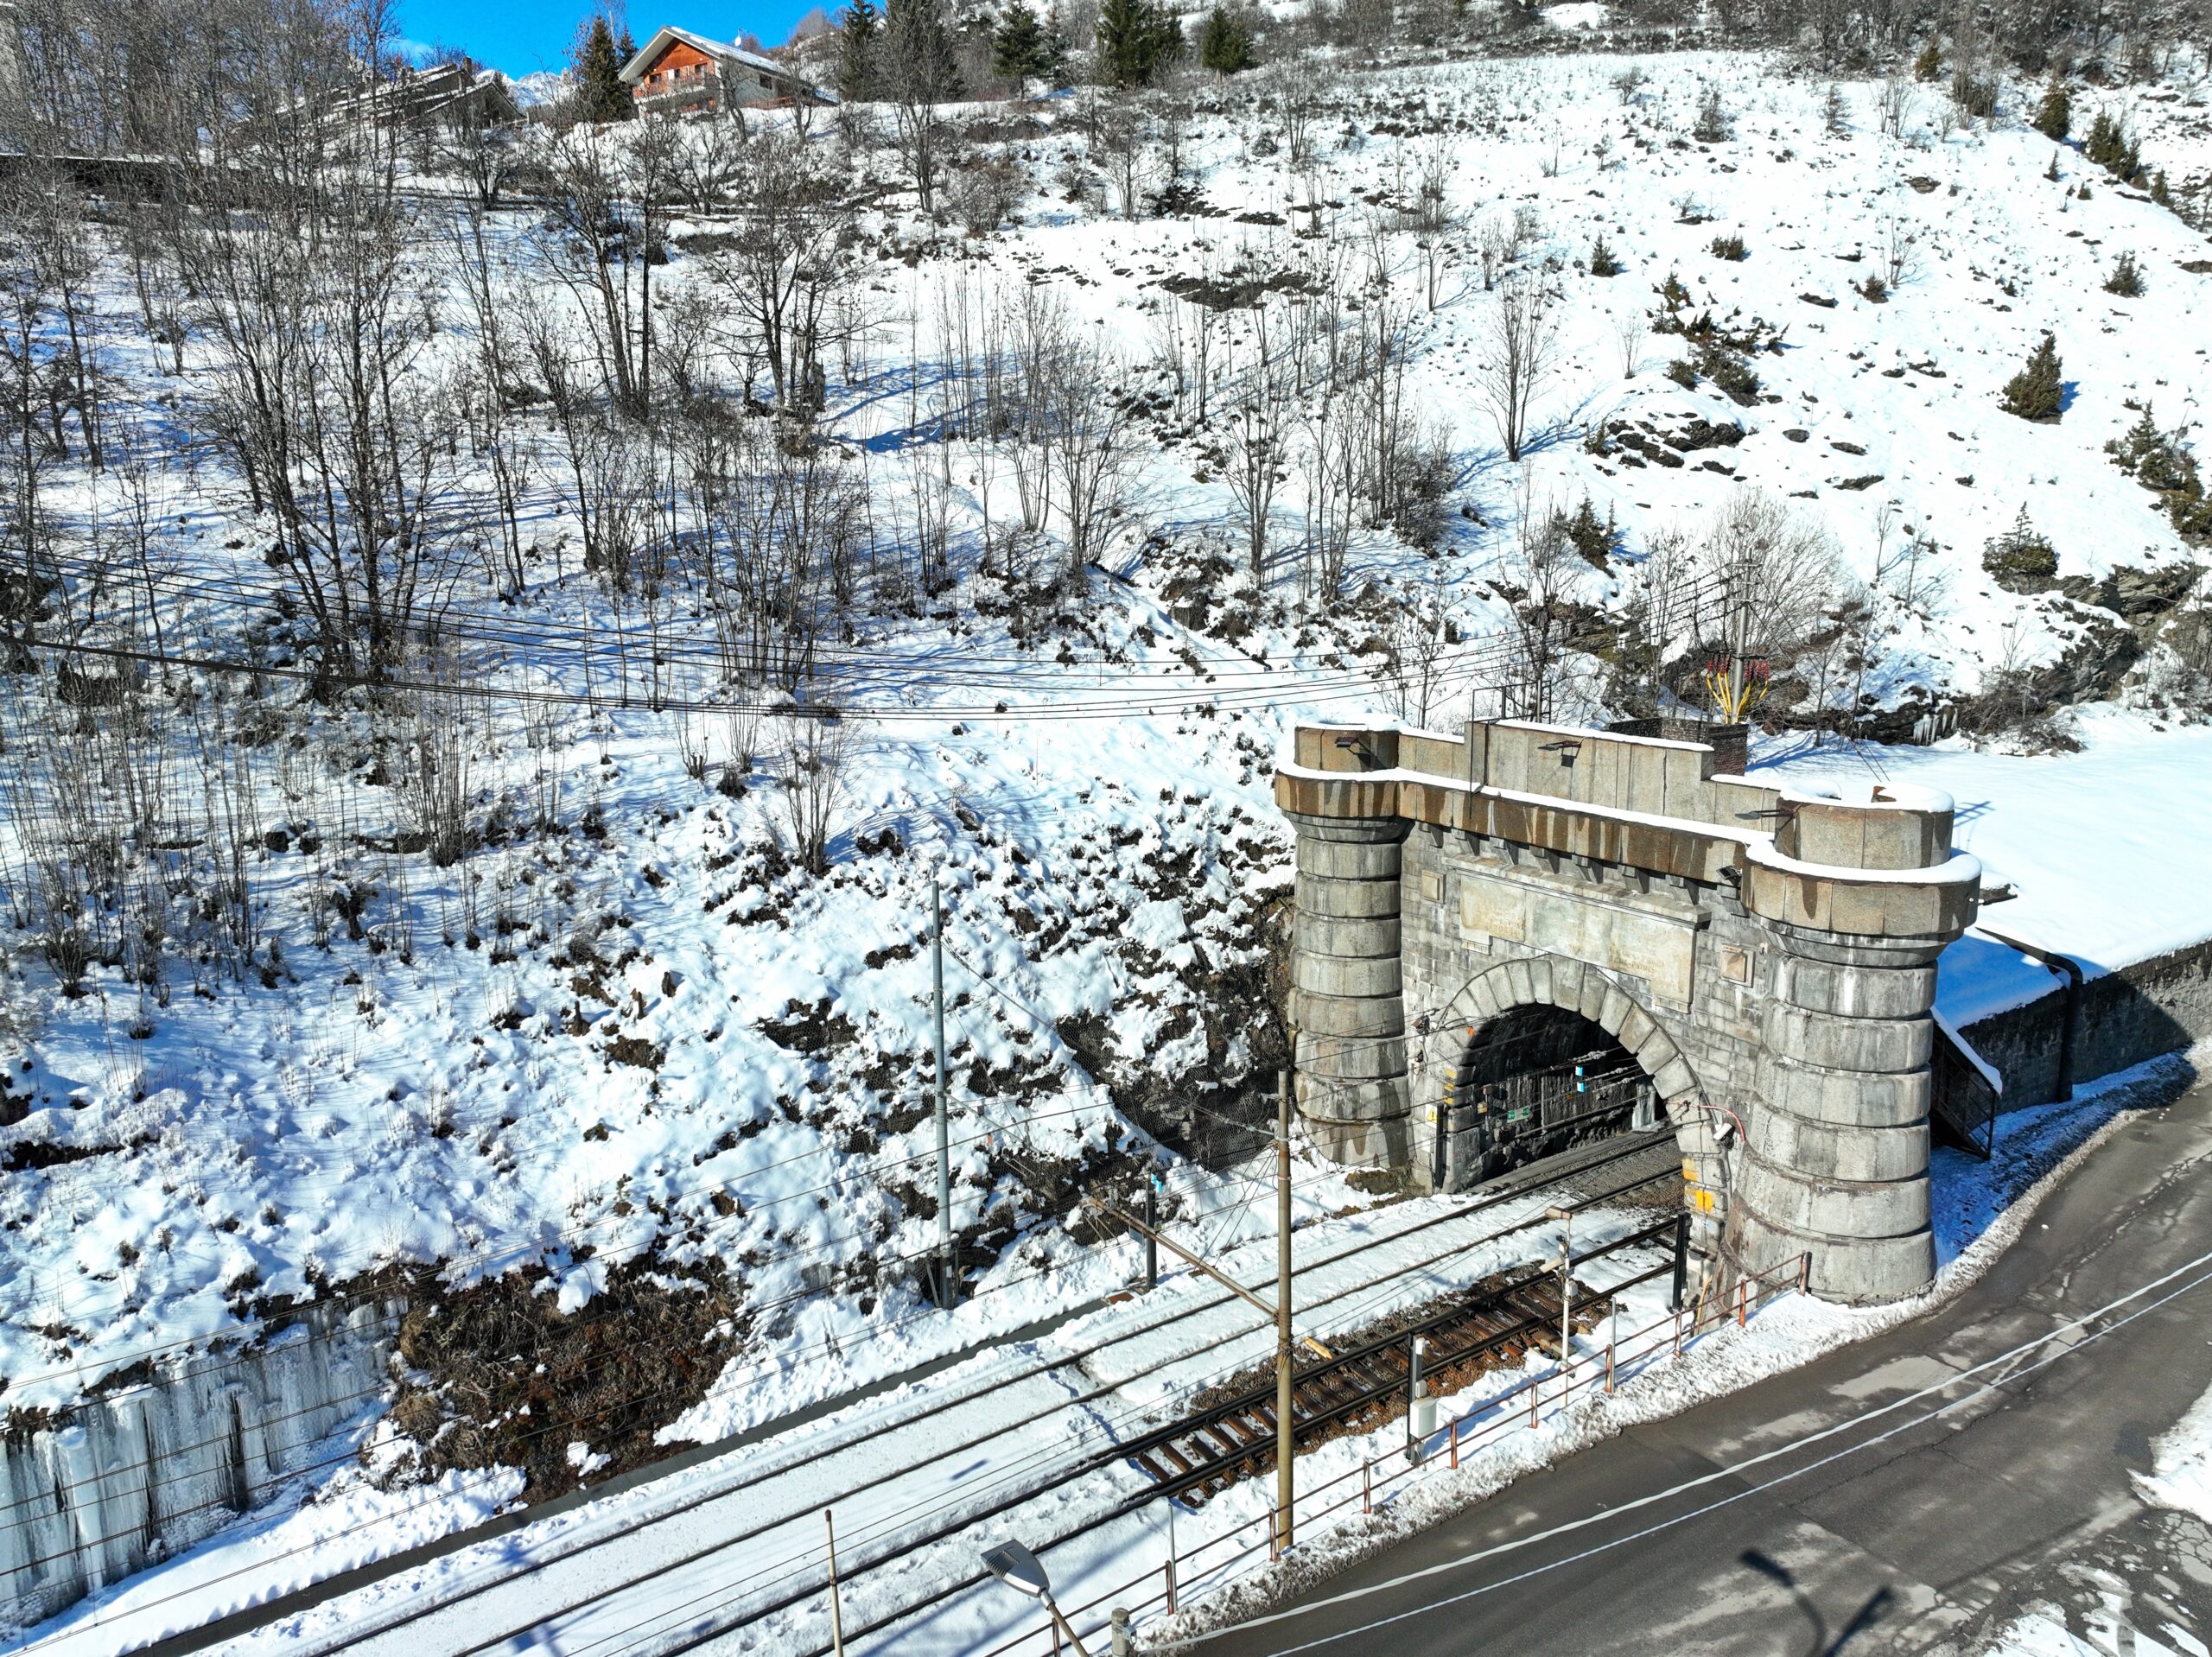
(2104, 850)
(647, 1565)
(645, 1037)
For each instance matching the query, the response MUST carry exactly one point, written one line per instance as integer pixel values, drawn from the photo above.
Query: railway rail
(1490, 1327)
(763, 1590)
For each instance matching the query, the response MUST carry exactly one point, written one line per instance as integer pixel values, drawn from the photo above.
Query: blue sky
(520, 39)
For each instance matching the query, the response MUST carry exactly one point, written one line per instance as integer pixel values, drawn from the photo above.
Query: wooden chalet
(683, 74)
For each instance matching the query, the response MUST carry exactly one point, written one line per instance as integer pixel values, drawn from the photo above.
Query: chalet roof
(668, 34)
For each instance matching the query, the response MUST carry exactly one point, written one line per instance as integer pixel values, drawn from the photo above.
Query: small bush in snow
(1595, 538)
(2055, 114)
(2161, 462)
(2126, 278)
(1974, 92)
(1712, 125)
(2037, 391)
(1929, 65)
(1602, 261)
(2020, 560)
(1729, 247)
(2110, 148)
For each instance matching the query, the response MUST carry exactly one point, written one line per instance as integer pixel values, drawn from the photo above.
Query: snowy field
(624, 1031)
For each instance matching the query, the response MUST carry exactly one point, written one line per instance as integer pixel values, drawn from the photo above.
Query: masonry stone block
(1839, 1209)
(1614, 1008)
(1854, 992)
(1817, 1094)
(1596, 987)
(1567, 983)
(1675, 1078)
(1328, 934)
(1843, 1043)
(1345, 899)
(1364, 979)
(1636, 1027)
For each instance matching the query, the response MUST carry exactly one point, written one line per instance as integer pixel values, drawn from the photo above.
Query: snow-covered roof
(668, 34)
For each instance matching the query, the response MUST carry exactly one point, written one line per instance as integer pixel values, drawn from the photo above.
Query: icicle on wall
(130, 1479)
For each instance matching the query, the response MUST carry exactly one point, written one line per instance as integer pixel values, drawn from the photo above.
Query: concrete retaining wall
(129, 1479)
(2137, 1012)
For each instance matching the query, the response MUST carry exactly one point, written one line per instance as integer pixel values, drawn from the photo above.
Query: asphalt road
(1928, 1540)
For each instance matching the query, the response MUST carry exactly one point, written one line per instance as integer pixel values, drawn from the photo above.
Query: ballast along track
(1336, 1402)
(1491, 1327)
(1583, 1180)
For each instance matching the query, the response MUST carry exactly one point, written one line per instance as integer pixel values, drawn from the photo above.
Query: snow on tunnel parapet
(1783, 938)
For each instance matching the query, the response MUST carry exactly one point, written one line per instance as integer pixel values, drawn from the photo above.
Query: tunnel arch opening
(1534, 1080)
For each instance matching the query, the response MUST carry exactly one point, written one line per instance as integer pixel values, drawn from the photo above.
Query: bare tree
(1523, 352)
(1074, 408)
(918, 70)
(1434, 217)
(1766, 574)
(812, 769)
(1252, 452)
(1121, 153)
(782, 270)
(439, 745)
(1896, 105)
(318, 319)
(1540, 581)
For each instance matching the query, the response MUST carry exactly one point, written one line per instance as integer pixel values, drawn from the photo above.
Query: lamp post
(1021, 1571)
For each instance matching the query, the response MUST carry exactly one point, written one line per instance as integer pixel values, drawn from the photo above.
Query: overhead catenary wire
(1491, 1201)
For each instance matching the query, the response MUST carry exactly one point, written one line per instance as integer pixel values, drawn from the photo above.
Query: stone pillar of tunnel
(1837, 1160)
(1348, 1002)
(1861, 899)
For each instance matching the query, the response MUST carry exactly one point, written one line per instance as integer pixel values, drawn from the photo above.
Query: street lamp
(1021, 1571)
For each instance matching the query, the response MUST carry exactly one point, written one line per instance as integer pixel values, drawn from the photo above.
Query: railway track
(695, 1540)
(1492, 1326)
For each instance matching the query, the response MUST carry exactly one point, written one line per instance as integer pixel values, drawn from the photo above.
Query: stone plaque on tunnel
(1605, 935)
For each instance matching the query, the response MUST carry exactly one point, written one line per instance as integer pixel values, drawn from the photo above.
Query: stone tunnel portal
(1560, 896)
(1531, 1081)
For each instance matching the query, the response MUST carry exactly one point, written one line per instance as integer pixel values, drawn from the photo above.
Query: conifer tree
(2055, 114)
(601, 94)
(856, 51)
(2037, 391)
(1136, 40)
(1225, 46)
(1023, 48)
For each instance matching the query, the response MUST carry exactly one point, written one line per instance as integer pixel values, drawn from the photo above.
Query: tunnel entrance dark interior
(1534, 1082)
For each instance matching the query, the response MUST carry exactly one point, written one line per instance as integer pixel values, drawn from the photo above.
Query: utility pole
(1279, 1312)
(1152, 1232)
(837, 1613)
(946, 1286)
(1286, 1438)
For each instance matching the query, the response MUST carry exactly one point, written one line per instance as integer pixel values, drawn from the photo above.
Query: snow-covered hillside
(625, 1037)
